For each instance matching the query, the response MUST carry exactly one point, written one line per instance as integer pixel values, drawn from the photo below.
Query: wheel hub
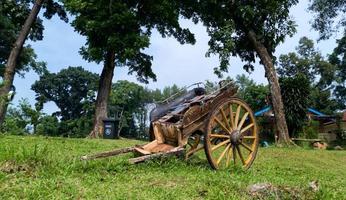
(235, 137)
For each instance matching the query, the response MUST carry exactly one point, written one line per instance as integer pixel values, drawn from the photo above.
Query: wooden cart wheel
(231, 135)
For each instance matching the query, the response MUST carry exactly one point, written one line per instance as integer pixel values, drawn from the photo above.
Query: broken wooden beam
(108, 153)
(175, 151)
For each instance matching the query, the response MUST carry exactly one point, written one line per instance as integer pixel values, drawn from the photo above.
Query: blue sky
(173, 63)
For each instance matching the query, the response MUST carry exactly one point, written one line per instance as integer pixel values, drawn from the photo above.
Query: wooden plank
(142, 151)
(175, 151)
(307, 140)
(158, 134)
(108, 153)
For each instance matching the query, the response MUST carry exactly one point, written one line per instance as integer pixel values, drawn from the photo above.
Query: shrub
(13, 127)
(48, 125)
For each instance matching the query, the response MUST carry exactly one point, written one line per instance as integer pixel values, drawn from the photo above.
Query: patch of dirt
(270, 191)
(12, 167)
(166, 184)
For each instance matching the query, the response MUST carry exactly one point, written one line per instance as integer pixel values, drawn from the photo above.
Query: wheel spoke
(192, 151)
(231, 116)
(222, 154)
(240, 125)
(249, 137)
(246, 147)
(234, 154)
(221, 124)
(247, 127)
(237, 117)
(228, 158)
(220, 145)
(240, 155)
(218, 136)
(225, 119)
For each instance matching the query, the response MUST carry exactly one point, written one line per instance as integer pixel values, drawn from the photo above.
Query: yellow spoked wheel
(231, 136)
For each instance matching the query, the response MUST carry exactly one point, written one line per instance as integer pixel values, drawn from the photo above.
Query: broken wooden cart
(221, 124)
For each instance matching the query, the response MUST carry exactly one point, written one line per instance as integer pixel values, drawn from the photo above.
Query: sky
(173, 63)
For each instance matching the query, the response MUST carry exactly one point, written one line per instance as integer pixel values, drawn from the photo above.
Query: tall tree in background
(73, 90)
(21, 35)
(133, 100)
(249, 29)
(117, 32)
(320, 73)
(296, 90)
(330, 18)
(338, 58)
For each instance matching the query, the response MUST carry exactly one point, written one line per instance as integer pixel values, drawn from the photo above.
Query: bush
(310, 131)
(76, 128)
(13, 127)
(48, 125)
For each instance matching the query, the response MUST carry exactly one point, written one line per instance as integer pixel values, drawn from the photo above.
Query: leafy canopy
(124, 27)
(72, 90)
(256, 95)
(329, 16)
(13, 14)
(229, 22)
(323, 76)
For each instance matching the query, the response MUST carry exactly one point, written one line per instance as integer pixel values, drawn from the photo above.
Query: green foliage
(49, 125)
(18, 119)
(76, 128)
(255, 95)
(228, 25)
(338, 58)
(330, 18)
(330, 15)
(308, 62)
(124, 27)
(295, 91)
(310, 131)
(323, 101)
(73, 128)
(12, 126)
(167, 92)
(13, 14)
(133, 100)
(321, 74)
(73, 90)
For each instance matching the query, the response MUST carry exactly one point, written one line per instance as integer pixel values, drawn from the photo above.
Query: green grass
(49, 168)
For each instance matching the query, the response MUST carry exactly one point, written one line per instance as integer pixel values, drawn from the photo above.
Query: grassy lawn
(49, 168)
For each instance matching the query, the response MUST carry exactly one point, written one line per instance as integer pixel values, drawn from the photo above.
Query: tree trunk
(13, 58)
(104, 90)
(271, 75)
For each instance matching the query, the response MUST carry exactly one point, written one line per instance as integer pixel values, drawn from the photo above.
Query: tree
(73, 90)
(338, 58)
(133, 100)
(253, 94)
(249, 29)
(32, 115)
(117, 32)
(330, 18)
(321, 74)
(28, 28)
(296, 90)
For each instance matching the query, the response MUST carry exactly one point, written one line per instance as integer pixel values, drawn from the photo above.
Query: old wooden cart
(221, 124)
